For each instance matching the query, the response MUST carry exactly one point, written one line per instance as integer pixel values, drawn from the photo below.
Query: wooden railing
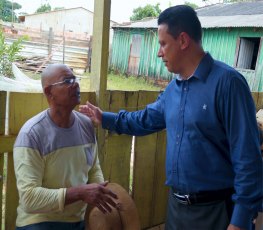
(146, 172)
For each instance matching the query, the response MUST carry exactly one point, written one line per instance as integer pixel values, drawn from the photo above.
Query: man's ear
(184, 40)
(47, 91)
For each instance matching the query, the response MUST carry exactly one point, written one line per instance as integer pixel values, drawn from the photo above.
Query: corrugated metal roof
(232, 21)
(230, 9)
(208, 22)
(145, 23)
(242, 14)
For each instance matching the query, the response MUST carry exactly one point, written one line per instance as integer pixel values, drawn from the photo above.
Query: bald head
(52, 72)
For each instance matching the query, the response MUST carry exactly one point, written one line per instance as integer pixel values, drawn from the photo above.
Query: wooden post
(3, 98)
(64, 44)
(88, 66)
(99, 64)
(2, 142)
(100, 49)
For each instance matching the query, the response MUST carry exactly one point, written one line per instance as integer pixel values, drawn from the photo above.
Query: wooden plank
(259, 104)
(87, 96)
(160, 191)
(144, 166)
(2, 111)
(23, 106)
(6, 143)
(259, 221)
(1, 186)
(11, 195)
(101, 138)
(100, 50)
(116, 165)
(143, 179)
(255, 96)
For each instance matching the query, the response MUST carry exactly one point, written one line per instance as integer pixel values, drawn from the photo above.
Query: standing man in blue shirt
(213, 162)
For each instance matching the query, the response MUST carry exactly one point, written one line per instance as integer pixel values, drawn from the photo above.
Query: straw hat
(126, 218)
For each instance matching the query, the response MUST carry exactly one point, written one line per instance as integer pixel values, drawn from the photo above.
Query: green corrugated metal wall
(120, 50)
(150, 65)
(220, 42)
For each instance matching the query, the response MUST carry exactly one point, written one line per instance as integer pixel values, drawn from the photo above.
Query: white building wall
(76, 20)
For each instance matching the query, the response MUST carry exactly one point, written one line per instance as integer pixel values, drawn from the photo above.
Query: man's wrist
(241, 217)
(108, 120)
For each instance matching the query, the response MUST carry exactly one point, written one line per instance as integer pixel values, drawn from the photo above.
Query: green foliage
(44, 8)
(8, 54)
(147, 11)
(193, 5)
(59, 8)
(7, 10)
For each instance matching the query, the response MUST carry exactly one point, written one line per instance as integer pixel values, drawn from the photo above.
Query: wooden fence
(52, 47)
(147, 172)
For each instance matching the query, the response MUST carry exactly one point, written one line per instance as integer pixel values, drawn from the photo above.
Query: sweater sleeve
(29, 169)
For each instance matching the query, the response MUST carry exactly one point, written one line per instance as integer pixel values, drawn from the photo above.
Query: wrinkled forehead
(61, 72)
(56, 72)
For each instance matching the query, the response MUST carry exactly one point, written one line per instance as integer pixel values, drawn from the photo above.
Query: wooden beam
(100, 50)
(2, 111)
(7, 143)
(99, 62)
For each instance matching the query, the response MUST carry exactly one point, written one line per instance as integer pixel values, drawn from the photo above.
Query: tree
(43, 8)
(144, 12)
(59, 8)
(193, 5)
(7, 10)
(9, 53)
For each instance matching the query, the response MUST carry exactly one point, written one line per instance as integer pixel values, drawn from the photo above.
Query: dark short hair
(181, 18)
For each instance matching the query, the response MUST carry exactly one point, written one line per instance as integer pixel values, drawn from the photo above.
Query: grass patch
(118, 82)
(114, 82)
(33, 75)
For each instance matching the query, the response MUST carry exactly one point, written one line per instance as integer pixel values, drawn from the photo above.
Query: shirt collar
(202, 70)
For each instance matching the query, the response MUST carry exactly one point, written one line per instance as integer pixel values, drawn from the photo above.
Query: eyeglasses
(67, 81)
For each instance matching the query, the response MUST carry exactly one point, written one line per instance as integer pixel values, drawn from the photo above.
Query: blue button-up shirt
(212, 135)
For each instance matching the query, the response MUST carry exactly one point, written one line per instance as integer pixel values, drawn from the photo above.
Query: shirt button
(185, 88)
(177, 142)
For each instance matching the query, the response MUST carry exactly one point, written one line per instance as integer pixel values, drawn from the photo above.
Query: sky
(121, 10)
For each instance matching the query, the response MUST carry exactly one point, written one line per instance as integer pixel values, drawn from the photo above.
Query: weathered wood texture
(11, 201)
(148, 164)
(2, 111)
(2, 143)
(117, 151)
(147, 173)
(146, 170)
(1, 185)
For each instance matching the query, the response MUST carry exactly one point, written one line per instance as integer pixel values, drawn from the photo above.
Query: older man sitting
(56, 160)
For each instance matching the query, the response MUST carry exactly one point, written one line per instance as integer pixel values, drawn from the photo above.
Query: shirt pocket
(89, 154)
